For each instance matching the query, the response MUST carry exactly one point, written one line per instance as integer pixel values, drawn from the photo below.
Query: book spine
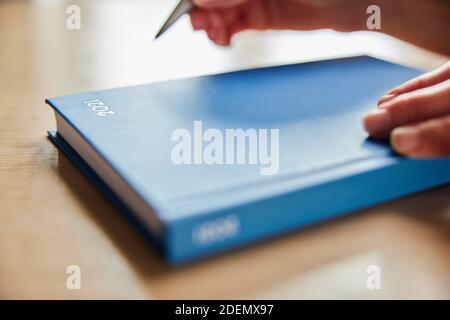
(106, 191)
(207, 234)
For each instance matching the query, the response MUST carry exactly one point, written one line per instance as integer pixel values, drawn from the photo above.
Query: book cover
(214, 162)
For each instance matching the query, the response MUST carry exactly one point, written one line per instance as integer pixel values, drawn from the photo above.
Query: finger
(233, 21)
(419, 105)
(218, 28)
(212, 34)
(386, 98)
(199, 19)
(215, 36)
(428, 139)
(429, 79)
(217, 4)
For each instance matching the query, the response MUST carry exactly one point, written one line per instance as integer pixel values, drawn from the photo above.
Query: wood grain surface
(52, 217)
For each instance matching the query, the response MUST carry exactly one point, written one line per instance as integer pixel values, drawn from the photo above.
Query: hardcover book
(210, 163)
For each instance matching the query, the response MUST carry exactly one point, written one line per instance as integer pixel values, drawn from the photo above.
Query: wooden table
(52, 217)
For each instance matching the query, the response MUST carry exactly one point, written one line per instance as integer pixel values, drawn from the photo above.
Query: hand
(416, 116)
(403, 19)
(221, 19)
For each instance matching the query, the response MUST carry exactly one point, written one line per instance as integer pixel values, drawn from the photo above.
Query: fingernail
(221, 42)
(405, 140)
(386, 98)
(378, 121)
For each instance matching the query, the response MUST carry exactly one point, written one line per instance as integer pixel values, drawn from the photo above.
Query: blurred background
(51, 217)
(115, 46)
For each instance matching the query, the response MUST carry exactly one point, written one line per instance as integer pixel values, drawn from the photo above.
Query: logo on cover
(216, 230)
(99, 107)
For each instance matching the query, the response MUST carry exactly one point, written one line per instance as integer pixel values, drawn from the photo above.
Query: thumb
(217, 4)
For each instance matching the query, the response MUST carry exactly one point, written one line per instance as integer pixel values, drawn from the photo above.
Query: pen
(183, 7)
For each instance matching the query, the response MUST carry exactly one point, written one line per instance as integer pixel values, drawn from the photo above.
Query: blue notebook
(210, 163)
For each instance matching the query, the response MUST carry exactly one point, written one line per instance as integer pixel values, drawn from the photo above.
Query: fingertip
(212, 34)
(194, 21)
(224, 42)
(377, 123)
(424, 140)
(222, 36)
(405, 140)
(221, 42)
(228, 41)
